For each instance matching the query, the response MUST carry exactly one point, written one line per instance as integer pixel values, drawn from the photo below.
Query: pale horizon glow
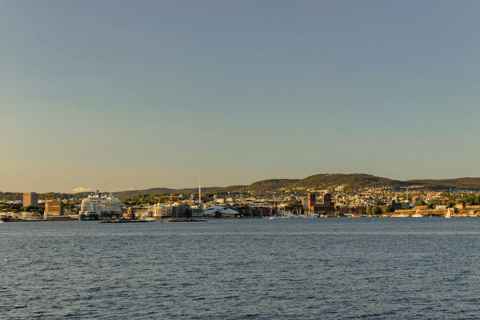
(124, 95)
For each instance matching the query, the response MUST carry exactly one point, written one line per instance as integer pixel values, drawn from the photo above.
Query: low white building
(224, 211)
(161, 210)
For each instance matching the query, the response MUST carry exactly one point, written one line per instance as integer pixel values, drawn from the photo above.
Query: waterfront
(242, 269)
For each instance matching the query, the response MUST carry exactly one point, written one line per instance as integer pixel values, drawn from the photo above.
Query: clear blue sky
(140, 94)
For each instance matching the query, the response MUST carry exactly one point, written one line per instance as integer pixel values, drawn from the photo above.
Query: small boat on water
(401, 215)
(448, 215)
(417, 215)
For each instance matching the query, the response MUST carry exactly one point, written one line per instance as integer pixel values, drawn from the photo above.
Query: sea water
(376, 268)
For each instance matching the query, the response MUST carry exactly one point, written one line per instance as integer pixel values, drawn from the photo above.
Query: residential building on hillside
(30, 199)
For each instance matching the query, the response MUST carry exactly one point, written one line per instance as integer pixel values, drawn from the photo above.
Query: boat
(100, 207)
(448, 215)
(417, 215)
(271, 218)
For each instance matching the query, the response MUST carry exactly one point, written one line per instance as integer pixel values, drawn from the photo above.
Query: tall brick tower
(327, 199)
(311, 200)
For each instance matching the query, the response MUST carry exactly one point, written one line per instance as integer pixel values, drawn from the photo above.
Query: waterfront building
(327, 205)
(53, 208)
(160, 210)
(220, 211)
(176, 210)
(197, 211)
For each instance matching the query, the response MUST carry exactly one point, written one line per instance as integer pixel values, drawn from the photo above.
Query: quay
(152, 220)
(38, 220)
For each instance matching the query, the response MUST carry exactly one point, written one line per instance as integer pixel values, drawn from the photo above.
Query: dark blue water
(383, 268)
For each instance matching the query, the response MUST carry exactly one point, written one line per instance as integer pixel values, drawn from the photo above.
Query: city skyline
(116, 95)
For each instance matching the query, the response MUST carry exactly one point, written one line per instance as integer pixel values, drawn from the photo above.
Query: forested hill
(272, 184)
(460, 183)
(327, 180)
(318, 181)
(354, 181)
(360, 180)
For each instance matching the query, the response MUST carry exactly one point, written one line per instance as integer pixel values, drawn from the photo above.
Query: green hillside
(459, 183)
(354, 181)
(318, 181)
(273, 184)
(323, 181)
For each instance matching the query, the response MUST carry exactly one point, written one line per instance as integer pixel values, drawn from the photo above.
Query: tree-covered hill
(272, 184)
(360, 180)
(318, 181)
(459, 183)
(353, 181)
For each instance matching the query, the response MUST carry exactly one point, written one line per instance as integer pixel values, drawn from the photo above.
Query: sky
(121, 95)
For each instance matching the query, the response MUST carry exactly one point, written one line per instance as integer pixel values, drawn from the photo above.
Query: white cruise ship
(99, 207)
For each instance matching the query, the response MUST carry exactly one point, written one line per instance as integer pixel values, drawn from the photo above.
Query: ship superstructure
(100, 207)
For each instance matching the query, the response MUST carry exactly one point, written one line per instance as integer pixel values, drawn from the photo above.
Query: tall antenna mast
(199, 192)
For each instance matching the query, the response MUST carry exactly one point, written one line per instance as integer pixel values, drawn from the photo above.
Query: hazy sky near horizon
(140, 94)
